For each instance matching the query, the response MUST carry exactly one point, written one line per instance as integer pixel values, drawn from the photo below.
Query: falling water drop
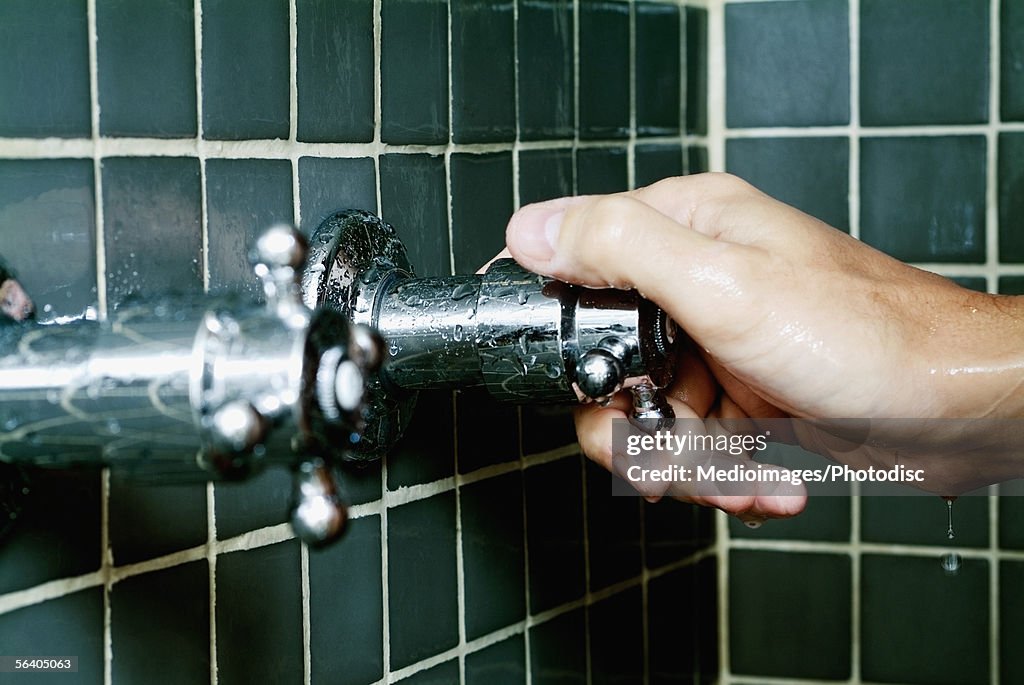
(951, 563)
(949, 517)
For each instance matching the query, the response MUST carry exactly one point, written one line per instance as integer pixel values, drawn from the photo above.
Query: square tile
(426, 452)
(615, 533)
(554, 533)
(546, 69)
(617, 639)
(787, 63)
(152, 206)
(545, 175)
(1011, 507)
(414, 199)
(414, 71)
(923, 520)
(244, 197)
(1011, 622)
(652, 163)
(421, 545)
(483, 76)
(47, 217)
(783, 642)
(923, 62)
(1011, 65)
(44, 69)
(546, 427)
(919, 625)
(442, 674)
(247, 651)
(697, 160)
(334, 70)
(245, 69)
(347, 608)
(601, 170)
(1011, 285)
(604, 93)
(656, 70)
(672, 627)
(558, 650)
(257, 502)
(71, 625)
(503, 663)
(1011, 197)
(812, 174)
(978, 283)
(696, 70)
(47, 542)
(329, 185)
(178, 641)
(360, 482)
(481, 206)
(670, 531)
(147, 68)
(488, 430)
(493, 556)
(148, 521)
(708, 666)
(923, 199)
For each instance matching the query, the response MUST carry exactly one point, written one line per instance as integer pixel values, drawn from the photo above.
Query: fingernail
(537, 237)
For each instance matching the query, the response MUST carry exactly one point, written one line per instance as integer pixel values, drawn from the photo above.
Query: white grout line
(854, 135)
(211, 562)
(992, 257)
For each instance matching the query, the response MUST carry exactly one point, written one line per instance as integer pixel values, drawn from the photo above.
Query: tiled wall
(902, 122)
(143, 144)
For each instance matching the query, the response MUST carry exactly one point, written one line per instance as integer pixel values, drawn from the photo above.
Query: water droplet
(113, 427)
(522, 296)
(52, 396)
(11, 423)
(552, 371)
(951, 563)
(47, 308)
(457, 333)
(413, 300)
(949, 517)
(463, 291)
(393, 350)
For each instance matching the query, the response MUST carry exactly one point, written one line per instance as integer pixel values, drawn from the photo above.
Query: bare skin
(789, 318)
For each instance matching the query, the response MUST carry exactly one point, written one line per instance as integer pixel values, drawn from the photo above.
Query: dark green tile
(260, 501)
(708, 666)
(329, 185)
(152, 206)
(812, 174)
(147, 68)
(493, 554)
(670, 531)
(1011, 509)
(697, 160)
(1011, 622)
(71, 625)
(44, 69)
(414, 199)
(655, 162)
(244, 197)
(483, 77)
(802, 605)
(421, 545)
(978, 283)
(601, 170)
(922, 520)
(48, 217)
(1011, 65)
(546, 69)
(1011, 285)
(49, 542)
(360, 482)
(481, 206)
(148, 521)
(554, 533)
(427, 448)
(672, 642)
(558, 653)
(787, 63)
(545, 175)
(260, 641)
(442, 674)
(923, 199)
(1011, 197)
(503, 663)
(696, 70)
(245, 69)
(919, 625)
(347, 608)
(414, 71)
(617, 639)
(604, 96)
(160, 630)
(546, 427)
(614, 529)
(488, 430)
(657, 69)
(334, 70)
(923, 62)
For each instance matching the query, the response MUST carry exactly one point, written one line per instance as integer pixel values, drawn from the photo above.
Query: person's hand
(790, 318)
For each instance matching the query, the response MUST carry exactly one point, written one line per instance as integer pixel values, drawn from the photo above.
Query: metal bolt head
(348, 385)
(237, 426)
(280, 246)
(599, 374)
(318, 514)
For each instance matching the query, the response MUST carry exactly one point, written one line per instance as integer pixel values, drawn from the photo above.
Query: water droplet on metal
(113, 427)
(522, 296)
(457, 333)
(463, 291)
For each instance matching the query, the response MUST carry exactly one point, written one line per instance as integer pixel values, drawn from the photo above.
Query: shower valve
(523, 337)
